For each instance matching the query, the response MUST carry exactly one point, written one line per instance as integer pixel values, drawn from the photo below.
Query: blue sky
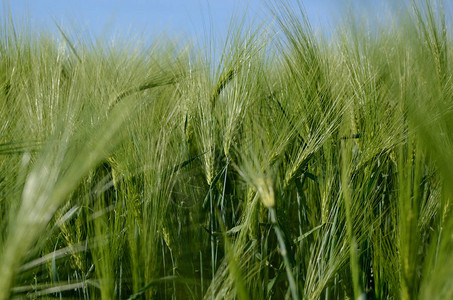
(183, 17)
(175, 17)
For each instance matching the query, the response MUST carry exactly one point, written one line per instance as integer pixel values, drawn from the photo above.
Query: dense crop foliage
(284, 165)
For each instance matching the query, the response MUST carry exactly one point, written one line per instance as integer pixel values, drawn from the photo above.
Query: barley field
(284, 164)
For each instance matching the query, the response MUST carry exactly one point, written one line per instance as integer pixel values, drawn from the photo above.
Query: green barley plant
(277, 163)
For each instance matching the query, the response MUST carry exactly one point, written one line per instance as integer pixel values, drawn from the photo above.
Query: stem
(212, 239)
(353, 255)
(284, 253)
(222, 203)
